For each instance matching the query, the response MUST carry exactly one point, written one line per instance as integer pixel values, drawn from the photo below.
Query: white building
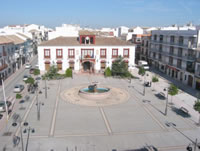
(85, 53)
(65, 30)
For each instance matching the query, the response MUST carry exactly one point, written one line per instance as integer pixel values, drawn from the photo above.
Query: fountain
(92, 92)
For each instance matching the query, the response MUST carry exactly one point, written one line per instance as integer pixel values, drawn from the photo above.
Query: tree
(108, 72)
(172, 90)
(120, 68)
(18, 96)
(68, 72)
(197, 108)
(52, 73)
(36, 72)
(155, 79)
(30, 81)
(141, 71)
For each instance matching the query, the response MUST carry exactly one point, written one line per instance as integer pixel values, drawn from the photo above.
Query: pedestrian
(16, 140)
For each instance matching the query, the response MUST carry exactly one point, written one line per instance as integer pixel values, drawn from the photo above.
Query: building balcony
(191, 70)
(87, 56)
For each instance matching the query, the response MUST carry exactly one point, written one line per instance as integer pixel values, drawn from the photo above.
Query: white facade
(77, 60)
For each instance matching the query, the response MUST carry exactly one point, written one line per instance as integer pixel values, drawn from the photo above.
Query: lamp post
(29, 129)
(45, 88)
(38, 104)
(166, 89)
(144, 83)
(189, 147)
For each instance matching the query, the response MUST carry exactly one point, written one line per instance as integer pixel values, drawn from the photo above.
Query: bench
(162, 94)
(183, 109)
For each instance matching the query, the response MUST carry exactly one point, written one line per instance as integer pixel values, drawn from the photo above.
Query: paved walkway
(184, 98)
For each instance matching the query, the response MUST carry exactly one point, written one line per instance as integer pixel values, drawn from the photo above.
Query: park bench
(183, 109)
(162, 94)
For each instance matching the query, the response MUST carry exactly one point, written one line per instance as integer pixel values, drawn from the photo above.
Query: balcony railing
(190, 69)
(87, 57)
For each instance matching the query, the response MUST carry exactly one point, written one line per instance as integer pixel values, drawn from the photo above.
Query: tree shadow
(178, 111)
(147, 101)
(159, 96)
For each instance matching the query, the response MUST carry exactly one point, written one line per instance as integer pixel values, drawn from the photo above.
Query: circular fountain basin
(100, 93)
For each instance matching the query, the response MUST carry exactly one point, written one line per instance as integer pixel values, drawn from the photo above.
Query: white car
(2, 105)
(26, 77)
(28, 66)
(37, 66)
(18, 88)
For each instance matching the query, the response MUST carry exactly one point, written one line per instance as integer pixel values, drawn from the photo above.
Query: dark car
(31, 71)
(1, 116)
(2, 105)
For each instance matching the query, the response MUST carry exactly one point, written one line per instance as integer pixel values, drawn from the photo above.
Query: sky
(100, 13)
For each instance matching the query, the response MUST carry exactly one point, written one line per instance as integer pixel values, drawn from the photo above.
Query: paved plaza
(132, 124)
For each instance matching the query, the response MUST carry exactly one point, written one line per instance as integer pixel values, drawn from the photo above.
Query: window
(46, 53)
(180, 51)
(171, 60)
(160, 57)
(58, 53)
(91, 40)
(59, 65)
(179, 63)
(181, 40)
(155, 37)
(126, 53)
(83, 40)
(115, 53)
(172, 39)
(103, 53)
(71, 53)
(161, 38)
(171, 51)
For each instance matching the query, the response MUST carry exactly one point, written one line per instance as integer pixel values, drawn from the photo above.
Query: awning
(59, 62)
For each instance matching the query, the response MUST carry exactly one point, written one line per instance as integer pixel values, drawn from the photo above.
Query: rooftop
(74, 41)
(5, 40)
(16, 40)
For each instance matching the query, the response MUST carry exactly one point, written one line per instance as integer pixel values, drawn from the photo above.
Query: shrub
(36, 72)
(30, 80)
(107, 72)
(155, 79)
(68, 72)
(18, 96)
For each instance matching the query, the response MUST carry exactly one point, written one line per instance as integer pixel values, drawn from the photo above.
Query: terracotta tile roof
(15, 39)
(86, 32)
(5, 40)
(73, 41)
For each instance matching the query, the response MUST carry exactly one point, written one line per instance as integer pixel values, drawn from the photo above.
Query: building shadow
(179, 112)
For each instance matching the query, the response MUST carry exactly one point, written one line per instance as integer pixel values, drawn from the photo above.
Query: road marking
(53, 123)
(81, 135)
(168, 148)
(105, 120)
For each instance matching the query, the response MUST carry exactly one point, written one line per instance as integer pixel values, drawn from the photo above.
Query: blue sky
(100, 13)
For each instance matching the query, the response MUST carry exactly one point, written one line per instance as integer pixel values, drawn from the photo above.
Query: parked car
(37, 66)
(2, 105)
(26, 77)
(28, 66)
(18, 88)
(1, 116)
(143, 64)
(31, 71)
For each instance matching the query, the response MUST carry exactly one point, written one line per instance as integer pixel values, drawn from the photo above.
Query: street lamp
(144, 83)
(19, 121)
(29, 129)
(189, 147)
(166, 89)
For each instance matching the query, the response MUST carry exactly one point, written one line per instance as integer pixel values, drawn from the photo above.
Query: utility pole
(166, 102)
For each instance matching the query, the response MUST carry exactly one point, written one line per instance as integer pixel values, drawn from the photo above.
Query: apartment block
(175, 53)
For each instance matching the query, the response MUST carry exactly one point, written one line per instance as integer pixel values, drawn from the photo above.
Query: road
(14, 79)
